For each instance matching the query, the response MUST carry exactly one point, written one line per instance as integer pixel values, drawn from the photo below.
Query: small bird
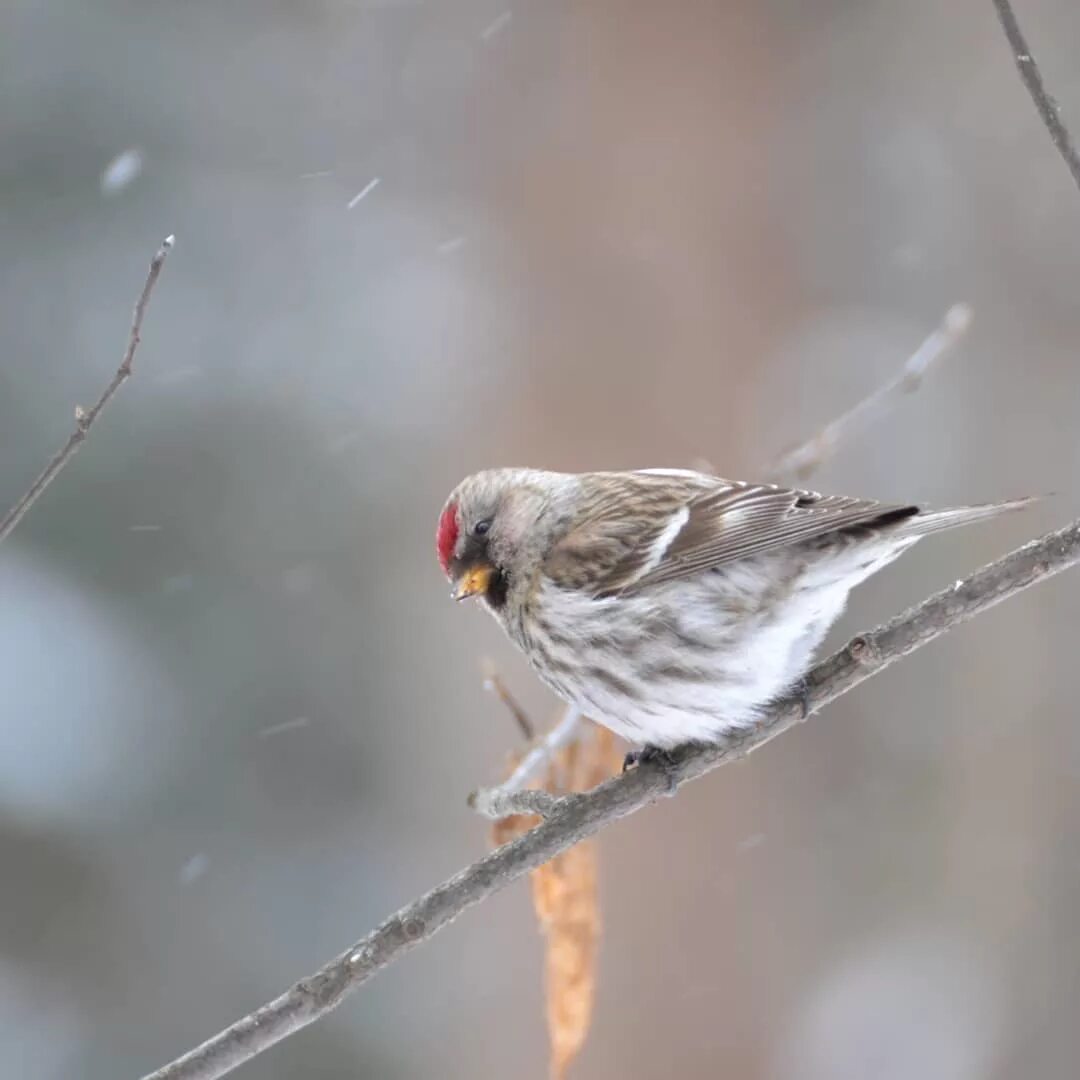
(671, 606)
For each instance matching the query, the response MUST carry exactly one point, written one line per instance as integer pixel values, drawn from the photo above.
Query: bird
(671, 606)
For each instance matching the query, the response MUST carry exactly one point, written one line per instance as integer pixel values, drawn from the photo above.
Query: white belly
(693, 659)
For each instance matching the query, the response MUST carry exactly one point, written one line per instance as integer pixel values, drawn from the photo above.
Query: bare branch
(806, 458)
(84, 418)
(1049, 110)
(493, 682)
(575, 817)
(498, 803)
(492, 802)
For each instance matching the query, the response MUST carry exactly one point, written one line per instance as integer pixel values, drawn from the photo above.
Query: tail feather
(932, 521)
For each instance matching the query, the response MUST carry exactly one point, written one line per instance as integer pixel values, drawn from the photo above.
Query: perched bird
(670, 606)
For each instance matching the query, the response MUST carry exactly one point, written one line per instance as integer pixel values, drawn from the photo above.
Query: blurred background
(239, 715)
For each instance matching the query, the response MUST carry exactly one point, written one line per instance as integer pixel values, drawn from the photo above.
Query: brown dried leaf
(567, 907)
(603, 759)
(564, 895)
(565, 899)
(510, 828)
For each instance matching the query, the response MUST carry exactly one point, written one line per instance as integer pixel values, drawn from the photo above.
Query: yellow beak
(475, 580)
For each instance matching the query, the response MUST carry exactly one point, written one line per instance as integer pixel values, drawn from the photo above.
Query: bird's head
(494, 528)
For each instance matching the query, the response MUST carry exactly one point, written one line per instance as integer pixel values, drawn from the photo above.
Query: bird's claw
(801, 692)
(658, 758)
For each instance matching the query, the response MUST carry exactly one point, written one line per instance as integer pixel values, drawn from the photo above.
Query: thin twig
(84, 418)
(491, 802)
(575, 817)
(1047, 106)
(804, 459)
(498, 803)
(493, 682)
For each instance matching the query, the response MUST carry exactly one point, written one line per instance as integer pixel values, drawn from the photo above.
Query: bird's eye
(481, 527)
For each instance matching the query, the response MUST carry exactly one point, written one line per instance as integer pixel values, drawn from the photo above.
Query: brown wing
(642, 529)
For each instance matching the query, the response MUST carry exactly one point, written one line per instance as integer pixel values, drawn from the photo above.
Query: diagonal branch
(1049, 109)
(575, 817)
(84, 418)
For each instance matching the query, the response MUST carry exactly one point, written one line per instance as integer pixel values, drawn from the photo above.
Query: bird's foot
(801, 692)
(658, 758)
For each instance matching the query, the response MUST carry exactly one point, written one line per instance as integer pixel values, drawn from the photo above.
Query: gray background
(606, 234)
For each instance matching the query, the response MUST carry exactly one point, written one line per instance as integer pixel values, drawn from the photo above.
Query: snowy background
(239, 714)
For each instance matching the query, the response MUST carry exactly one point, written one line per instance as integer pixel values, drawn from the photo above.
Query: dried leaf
(567, 906)
(510, 828)
(565, 899)
(564, 894)
(603, 759)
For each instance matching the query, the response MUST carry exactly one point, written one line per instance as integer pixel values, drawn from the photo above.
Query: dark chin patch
(497, 589)
(476, 553)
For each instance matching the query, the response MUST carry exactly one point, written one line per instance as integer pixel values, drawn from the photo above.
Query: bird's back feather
(636, 530)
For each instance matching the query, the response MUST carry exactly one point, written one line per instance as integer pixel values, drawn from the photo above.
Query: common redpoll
(670, 606)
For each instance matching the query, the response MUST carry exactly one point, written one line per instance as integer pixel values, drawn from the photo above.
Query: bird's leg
(801, 692)
(658, 758)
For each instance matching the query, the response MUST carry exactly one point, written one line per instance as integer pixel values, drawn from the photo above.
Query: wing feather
(623, 541)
